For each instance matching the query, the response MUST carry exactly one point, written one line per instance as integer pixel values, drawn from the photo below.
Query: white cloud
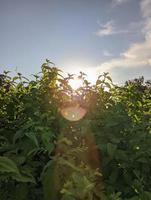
(106, 29)
(119, 2)
(146, 8)
(109, 28)
(106, 53)
(138, 54)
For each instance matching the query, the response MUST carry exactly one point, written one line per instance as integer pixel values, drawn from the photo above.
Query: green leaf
(109, 78)
(33, 137)
(98, 82)
(50, 147)
(107, 85)
(46, 139)
(48, 180)
(18, 135)
(15, 78)
(24, 178)
(146, 195)
(120, 154)
(111, 149)
(142, 160)
(113, 177)
(7, 165)
(136, 172)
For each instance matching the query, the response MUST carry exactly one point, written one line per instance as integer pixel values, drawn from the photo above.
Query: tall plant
(32, 128)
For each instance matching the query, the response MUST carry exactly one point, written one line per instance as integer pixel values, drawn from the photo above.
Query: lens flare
(73, 113)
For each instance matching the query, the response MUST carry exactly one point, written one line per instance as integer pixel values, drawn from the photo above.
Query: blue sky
(93, 36)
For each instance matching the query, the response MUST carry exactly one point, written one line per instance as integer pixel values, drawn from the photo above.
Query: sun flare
(73, 113)
(75, 68)
(75, 83)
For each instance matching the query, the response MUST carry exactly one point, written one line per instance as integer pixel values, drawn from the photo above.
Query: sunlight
(91, 72)
(75, 83)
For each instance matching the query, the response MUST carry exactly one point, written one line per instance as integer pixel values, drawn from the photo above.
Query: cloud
(109, 28)
(146, 8)
(106, 53)
(119, 2)
(138, 54)
(106, 29)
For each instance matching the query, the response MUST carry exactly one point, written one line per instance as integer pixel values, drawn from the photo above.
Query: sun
(75, 83)
(75, 68)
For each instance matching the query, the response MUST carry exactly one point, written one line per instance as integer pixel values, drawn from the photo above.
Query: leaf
(109, 78)
(69, 164)
(48, 182)
(136, 172)
(15, 78)
(113, 177)
(18, 135)
(98, 82)
(142, 160)
(120, 154)
(111, 149)
(7, 165)
(146, 195)
(46, 139)
(19, 160)
(65, 140)
(49, 164)
(48, 61)
(24, 178)
(46, 67)
(50, 147)
(34, 151)
(107, 85)
(33, 137)
(135, 198)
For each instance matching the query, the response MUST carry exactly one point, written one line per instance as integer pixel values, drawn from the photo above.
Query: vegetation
(32, 129)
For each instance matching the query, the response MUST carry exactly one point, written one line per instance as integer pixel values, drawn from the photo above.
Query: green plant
(31, 127)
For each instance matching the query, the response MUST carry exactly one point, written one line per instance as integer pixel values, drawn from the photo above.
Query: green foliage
(119, 117)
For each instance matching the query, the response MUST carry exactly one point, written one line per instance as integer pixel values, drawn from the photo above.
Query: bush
(31, 125)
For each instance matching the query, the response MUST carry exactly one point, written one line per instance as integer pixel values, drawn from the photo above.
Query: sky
(93, 36)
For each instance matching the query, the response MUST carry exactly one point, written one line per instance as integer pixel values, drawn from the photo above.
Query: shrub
(31, 124)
